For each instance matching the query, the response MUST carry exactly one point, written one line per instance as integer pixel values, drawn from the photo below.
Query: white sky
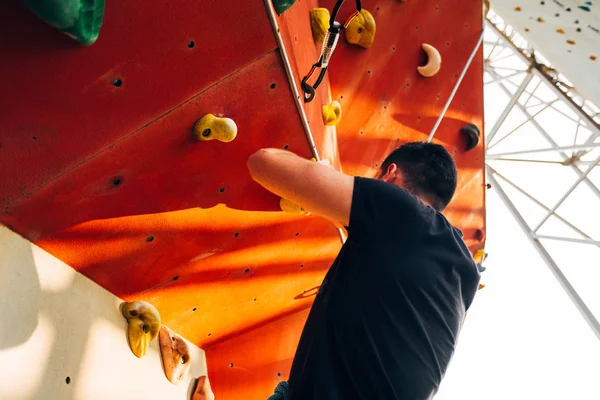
(523, 337)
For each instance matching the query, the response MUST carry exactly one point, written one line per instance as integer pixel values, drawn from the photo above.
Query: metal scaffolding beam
(562, 279)
(556, 99)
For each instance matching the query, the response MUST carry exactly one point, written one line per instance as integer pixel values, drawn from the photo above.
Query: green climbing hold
(282, 5)
(80, 19)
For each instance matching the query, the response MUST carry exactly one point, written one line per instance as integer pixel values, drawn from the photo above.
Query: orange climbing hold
(203, 390)
(593, 58)
(175, 355)
(517, 9)
(571, 42)
(561, 31)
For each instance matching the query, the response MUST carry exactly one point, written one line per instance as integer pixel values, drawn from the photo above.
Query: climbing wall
(99, 166)
(566, 32)
(385, 103)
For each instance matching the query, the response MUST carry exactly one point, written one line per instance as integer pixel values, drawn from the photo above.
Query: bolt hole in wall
(194, 309)
(117, 82)
(150, 238)
(230, 365)
(287, 146)
(191, 44)
(117, 181)
(273, 85)
(222, 190)
(68, 380)
(175, 277)
(236, 234)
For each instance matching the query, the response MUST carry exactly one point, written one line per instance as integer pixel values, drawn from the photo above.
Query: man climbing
(386, 319)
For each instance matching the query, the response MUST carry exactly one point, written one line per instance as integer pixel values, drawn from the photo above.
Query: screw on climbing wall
(434, 61)
(329, 43)
(210, 127)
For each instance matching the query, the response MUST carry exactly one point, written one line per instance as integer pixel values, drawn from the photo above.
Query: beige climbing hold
(175, 355)
(292, 208)
(143, 324)
(434, 61)
(319, 23)
(203, 390)
(210, 127)
(361, 30)
(332, 113)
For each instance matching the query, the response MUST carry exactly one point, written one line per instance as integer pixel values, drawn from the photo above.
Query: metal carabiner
(329, 43)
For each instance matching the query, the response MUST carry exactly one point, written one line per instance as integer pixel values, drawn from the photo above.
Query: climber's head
(426, 170)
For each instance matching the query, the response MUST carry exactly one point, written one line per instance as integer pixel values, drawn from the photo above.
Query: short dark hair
(429, 171)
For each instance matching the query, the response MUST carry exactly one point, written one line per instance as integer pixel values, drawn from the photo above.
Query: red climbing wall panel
(107, 177)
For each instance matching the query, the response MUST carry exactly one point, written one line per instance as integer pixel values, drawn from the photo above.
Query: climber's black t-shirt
(385, 321)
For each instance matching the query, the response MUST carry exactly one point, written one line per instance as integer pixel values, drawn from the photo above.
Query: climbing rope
(456, 86)
(329, 43)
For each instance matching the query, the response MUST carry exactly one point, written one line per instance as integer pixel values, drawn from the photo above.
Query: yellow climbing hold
(479, 256)
(143, 325)
(292, 208)
(332, 113)
(361, 30)
(561, 31)
(210, 127)
(319, 23)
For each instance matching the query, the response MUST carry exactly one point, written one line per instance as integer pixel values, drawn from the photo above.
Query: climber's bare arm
(317, 188)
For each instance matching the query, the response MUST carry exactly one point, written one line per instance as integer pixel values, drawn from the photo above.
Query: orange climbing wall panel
(385, 103)
(108, 178)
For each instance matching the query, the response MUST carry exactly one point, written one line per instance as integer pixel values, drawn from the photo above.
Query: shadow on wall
(25, 307)
(63, 337)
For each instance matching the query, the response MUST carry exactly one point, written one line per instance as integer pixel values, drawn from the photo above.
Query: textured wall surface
(63, 337)
(100, 169)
